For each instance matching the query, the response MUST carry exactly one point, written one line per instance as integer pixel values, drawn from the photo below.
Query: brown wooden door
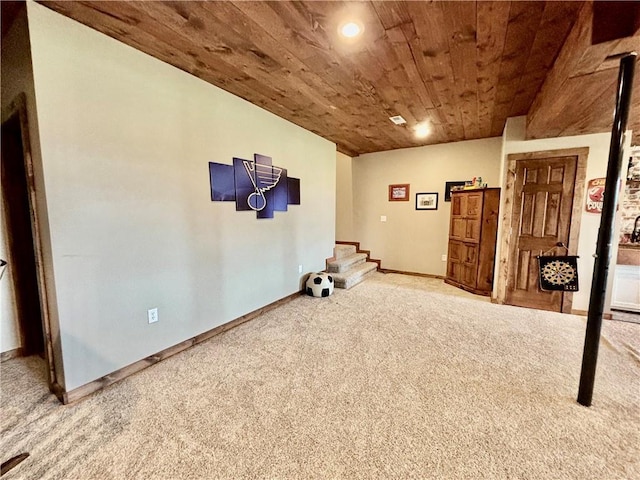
(543, 201)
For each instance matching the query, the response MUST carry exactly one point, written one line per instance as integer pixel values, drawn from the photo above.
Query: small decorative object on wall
(399, 192)
(426, 201)
(254, 185)
(558, 272)
(448, 187)
(595, 195)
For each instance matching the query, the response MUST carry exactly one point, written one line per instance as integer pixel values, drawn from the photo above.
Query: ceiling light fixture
(351, 29)
(422, 130)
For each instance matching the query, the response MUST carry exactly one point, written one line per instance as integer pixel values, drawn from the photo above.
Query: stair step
(345, 263)
(354, 275)
(341, 251)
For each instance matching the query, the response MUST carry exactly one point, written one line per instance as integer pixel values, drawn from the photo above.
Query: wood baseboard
(9, 354)
(91, 387)
(414, 274)
(584, 313)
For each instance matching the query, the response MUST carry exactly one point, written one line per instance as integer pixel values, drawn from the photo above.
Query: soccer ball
(320, 285)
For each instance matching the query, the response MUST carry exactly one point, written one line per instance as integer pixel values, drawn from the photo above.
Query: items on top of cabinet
(473, 184)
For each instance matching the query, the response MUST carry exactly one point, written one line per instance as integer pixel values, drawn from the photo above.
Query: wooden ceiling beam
(493, 18)
(557, 20)
(522, 28)
(461, 22)
(578, 94)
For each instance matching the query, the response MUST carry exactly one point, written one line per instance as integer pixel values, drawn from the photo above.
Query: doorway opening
(625, 298)
(22, 257)
(23, 238)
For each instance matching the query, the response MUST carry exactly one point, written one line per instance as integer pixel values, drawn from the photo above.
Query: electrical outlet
(444, 258)
(152, 315)
(299, 268)
(383, 218)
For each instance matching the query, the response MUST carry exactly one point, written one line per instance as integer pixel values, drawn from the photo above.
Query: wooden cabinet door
(458, 228)
(470, 254)
(469, 273)
(458, 205)
(454, 258)
(473, 205)
(472, 227)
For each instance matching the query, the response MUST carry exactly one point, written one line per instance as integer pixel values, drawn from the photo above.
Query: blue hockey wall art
(256, 185)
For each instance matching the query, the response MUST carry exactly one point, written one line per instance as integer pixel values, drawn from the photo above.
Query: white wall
(414, 240)
(126, 141)
(344, 198)
(598, 144)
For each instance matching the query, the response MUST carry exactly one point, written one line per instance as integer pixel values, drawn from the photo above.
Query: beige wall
(344, 198)
(126, 141)
(598, 145)
(413, 240)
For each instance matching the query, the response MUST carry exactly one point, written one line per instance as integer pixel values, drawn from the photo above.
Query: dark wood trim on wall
(91, 387)
(9, 354)
(414, 274)
(359, 250)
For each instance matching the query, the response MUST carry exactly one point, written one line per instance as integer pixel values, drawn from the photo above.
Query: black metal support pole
(605, 234)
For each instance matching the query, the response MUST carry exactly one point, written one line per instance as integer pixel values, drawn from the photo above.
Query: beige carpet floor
(396, 378)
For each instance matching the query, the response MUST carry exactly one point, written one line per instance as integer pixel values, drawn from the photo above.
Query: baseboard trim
(414, 274)
(9, 354)
(91, 387)
(584, 313)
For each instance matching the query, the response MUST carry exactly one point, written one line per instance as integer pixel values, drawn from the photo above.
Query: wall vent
(398, 120)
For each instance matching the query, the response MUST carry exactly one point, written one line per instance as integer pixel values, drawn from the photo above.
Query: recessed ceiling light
(422, 130)
(398, 120)
(351, 29)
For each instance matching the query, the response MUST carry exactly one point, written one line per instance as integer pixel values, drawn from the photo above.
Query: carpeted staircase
(348, 268)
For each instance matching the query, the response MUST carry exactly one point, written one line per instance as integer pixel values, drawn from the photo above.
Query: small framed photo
(426, 201)
(399, 192)
(448, 186)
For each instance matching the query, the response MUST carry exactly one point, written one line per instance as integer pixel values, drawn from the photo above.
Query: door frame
(19, 107)
(506, 245)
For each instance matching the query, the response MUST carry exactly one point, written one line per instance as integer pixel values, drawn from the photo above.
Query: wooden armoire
(472, 239)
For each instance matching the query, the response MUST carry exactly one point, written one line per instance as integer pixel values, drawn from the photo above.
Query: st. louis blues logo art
(254, 185)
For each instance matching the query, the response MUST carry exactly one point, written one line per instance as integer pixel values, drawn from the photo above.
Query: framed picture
(399, 192)
(426, 201)
(448, 186)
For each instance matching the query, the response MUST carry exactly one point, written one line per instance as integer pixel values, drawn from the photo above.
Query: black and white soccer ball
(320, 285)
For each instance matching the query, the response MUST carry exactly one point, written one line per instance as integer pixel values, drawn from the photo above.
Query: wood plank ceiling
(462, 67)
